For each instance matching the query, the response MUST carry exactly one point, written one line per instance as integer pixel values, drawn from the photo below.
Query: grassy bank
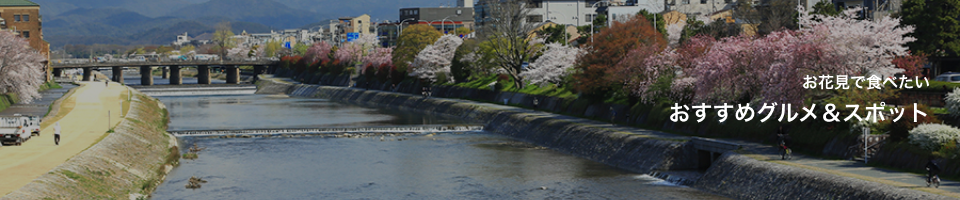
(128, 162)
(8, 99)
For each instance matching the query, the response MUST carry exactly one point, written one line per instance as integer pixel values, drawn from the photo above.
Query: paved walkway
(851, 168)
(83, 119)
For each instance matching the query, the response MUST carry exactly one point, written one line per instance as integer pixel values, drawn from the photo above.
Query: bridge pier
(88, 74)
(203, 74)
(257, 70)
(165, 73)
(117, 74)
(145, 77)
(233, 74)
(58, 72)
(175, 78)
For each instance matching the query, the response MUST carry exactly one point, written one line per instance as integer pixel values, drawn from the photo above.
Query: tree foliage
(223, 40)
(412, 40)
(507, 41)
(596, 71)
(21, 67)
(937, 26)
(319, 52)
(557, 61)
(433, 63)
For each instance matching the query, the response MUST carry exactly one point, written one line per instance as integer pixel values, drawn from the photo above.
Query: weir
(394, 129)
(196, 91)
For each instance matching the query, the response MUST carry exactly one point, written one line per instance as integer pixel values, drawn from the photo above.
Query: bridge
(170, 68)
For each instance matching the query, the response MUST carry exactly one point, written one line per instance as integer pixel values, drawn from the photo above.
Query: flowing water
(465, 165)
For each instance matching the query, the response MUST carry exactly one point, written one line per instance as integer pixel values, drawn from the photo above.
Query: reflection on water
(261, 111)
(444, 166)
(473, 165)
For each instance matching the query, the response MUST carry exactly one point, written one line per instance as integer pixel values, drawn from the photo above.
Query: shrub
(369, 72)
(953, 103)
(933, 136)
(383, 72)
(899, 130)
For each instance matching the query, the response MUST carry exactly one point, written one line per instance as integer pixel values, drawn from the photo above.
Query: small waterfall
(197, 91)
(398, 129)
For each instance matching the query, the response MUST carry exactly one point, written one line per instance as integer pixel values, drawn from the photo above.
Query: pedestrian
(106, 83)
(56, 134)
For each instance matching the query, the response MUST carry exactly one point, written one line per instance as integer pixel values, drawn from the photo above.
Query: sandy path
(83, 126)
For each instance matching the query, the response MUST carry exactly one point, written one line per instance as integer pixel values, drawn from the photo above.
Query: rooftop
(17, 3)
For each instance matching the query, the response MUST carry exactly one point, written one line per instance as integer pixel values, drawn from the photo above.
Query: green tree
(825, 8)
(661, 23)
(273, 47)
(555, 33)
(937, 27)
(223, 40)
(458, 68)
(464, 31)
(300, 48)
(185, 49)
(412, 40)
(508, 38)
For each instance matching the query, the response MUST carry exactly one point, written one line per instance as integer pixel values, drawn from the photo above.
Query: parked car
(18, 129)
(952, 77)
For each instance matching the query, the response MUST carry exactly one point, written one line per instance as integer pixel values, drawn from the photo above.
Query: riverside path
(83, 121)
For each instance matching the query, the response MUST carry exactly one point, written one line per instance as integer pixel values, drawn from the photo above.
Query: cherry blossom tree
(556, 63)
(674, 31)
(319, 52)
(868, 46)
(436, 59)
(349, 53)
(379, 56)
(21, 68)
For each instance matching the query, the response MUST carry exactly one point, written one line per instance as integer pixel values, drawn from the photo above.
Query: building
(701, 7)
(23, 18)
(622, 11)
(448, 18)
(444, 19)
(465, 3)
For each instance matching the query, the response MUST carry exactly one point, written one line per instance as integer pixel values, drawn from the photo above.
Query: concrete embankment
(128, 163)
(635, 152)
(742, 177)
(732, 174)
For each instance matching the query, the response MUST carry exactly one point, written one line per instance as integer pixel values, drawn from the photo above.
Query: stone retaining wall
(732, 175)
(638, 153)
(126, 164)
(742, 177)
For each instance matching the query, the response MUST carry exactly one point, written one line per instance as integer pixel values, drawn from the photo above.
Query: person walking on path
(56, 133)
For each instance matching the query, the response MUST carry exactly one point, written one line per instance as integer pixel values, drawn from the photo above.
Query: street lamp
(400, 26)
(565, 37)
(442, 21)
(595, 18)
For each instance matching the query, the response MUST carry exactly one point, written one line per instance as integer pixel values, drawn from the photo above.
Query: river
(469, 165)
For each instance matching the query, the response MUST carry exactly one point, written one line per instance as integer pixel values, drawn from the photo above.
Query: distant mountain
(120, 26)
(158, 21)
(257, 11)
(150, 8)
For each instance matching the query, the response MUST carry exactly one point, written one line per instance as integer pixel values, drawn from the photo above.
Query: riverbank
(633, 149)
(125, 161)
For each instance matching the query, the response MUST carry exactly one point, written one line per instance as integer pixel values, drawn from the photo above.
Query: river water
(470, 165)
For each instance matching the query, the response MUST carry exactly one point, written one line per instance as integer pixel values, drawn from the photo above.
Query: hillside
(158, 21)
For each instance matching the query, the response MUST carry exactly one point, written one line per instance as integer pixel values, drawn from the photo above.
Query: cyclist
(783, 141)
(932, 170)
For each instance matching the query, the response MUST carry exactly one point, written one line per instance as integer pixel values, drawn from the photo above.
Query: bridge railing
(156, 60)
